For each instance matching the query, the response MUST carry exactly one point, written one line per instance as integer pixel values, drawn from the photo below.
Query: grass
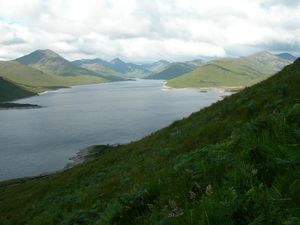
(231, 72)
(235, 162)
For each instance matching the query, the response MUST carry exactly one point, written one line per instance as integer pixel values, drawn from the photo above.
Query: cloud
(286, 3)
(148, 29)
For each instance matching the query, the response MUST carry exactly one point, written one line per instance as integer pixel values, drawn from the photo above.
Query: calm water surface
(36, 141)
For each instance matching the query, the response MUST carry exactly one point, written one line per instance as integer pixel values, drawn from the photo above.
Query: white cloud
(148, 29)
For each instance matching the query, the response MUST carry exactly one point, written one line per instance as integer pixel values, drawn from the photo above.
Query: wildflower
(254, 172)
(196, 186)
(175, 210)
(232, 189)
(209, 190)
(192, 195)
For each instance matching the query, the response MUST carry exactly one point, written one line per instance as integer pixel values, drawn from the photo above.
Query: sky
(148, 30)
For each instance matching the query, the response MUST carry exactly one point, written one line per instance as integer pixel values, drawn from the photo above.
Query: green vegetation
(244, 71)
(233, 163)
(172, 71)
(10, 91)
(51, 63)
(37, 81)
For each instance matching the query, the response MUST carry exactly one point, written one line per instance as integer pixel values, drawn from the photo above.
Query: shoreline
(79, 158)
(220, 89)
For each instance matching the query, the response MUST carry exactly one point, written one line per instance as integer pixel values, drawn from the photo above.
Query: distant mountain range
(121, 68)
(44, 69)
(242, 71)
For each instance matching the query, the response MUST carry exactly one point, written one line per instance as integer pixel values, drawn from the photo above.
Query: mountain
(235, 162)
(128, 69)
(156, 67)
(242, 71)
(120, 66)
(52, 63)
(37, 81)
(172, 71)
(10, 91)
(99, 66)
(115, 67)
(287, 56)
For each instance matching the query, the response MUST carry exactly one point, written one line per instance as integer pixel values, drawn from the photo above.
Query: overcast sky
(141, 30)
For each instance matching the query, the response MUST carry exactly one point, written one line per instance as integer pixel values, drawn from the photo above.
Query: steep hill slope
(243, 71)
(52, 63)
(35, 80)
(10, 91)
(172, 71)
(235, 162)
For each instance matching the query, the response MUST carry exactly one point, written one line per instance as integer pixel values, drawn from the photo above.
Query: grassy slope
(236, 162)
(231, 72)
(10, 91)
(172, 71)
(37, 81)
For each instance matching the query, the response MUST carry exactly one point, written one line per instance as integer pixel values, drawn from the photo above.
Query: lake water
(36, 141)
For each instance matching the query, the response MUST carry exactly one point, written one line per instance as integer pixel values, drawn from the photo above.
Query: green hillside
(233, 163)
(172, 71)
(10, 91)
(52, 63)
(243, 71)
(37, 81)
